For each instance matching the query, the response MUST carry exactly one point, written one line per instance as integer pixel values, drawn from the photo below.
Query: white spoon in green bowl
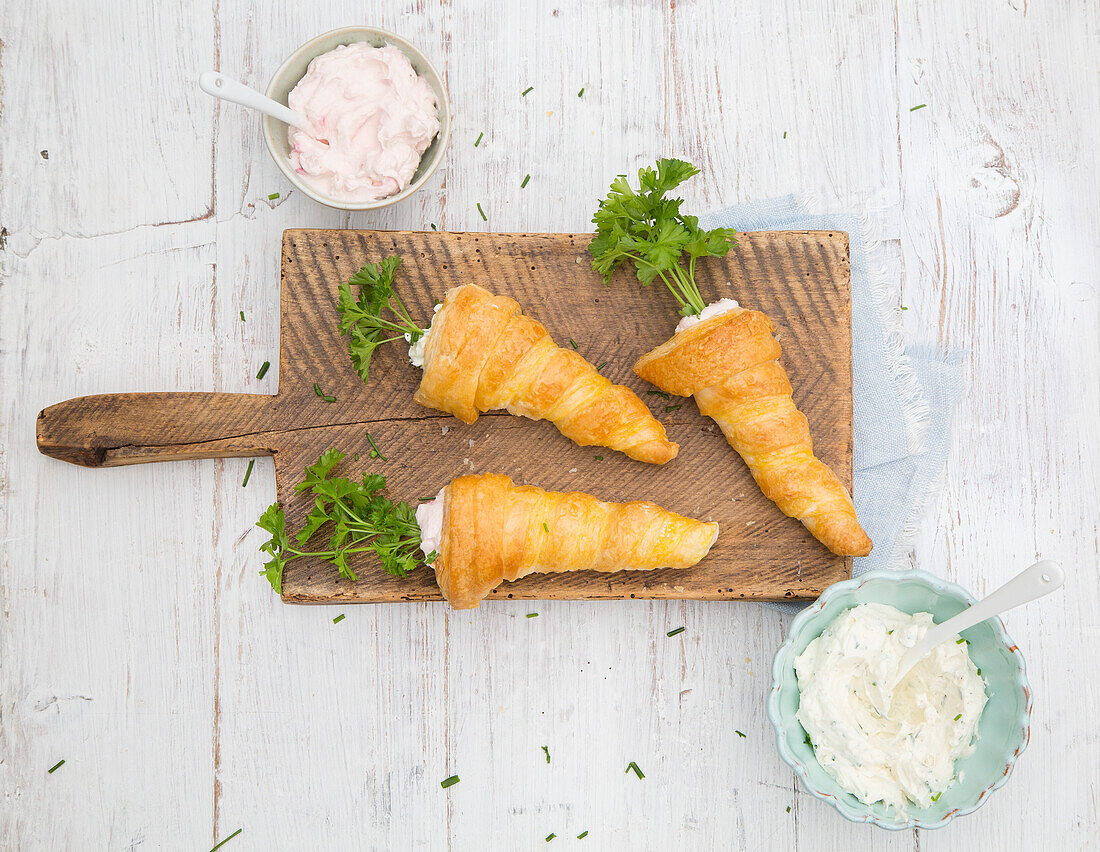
(218, 85)
(1040, 579)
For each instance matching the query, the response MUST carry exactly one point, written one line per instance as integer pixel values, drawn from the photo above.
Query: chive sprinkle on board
(918, 106)
(580, 94)
(546, 751)
(675, 407)
(248, 472)
(788, 808)
(434, 228)
(524, 184)
(448, 782)
(959, 641)
(484, 218)
(317, 390)
(230, 837)
(584, 833)
(550, 836)
(56, 766)
(545, 527)
(242, 316)
(741, 735)
(572, 343)
(958, 717)
(532, 615)
(599, 458)
(339, 618)
(599, 367)
(661, 394)
(273, 197)
(676, 632)
(263, 369)
(637, 770)
(375, 453)
(784, 134)
(480, 136)
(526, 91)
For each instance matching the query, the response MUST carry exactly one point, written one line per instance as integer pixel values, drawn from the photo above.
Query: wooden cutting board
(799, 278)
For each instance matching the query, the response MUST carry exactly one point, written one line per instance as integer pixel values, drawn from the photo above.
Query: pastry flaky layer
(730, 364)
(484, 354)
(495, 530)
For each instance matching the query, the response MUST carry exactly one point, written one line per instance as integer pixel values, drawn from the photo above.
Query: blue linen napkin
(904, 398)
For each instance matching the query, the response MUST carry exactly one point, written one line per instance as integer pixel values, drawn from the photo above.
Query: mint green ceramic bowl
(294, 68)
(1002, 731)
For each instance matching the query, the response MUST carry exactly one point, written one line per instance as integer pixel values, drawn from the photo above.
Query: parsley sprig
(361, 520)
(646, 228)
(362, 318)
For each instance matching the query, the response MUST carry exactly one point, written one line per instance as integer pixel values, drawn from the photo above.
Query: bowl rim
(267, 123)
(862, 814)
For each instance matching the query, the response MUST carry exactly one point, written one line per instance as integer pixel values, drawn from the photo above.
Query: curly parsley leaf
(361, 316)
(646, 229)
(357, 519)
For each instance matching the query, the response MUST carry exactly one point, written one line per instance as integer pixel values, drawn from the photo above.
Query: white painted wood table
(137, 642)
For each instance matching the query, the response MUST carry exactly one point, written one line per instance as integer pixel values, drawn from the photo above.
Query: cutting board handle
(131, 428)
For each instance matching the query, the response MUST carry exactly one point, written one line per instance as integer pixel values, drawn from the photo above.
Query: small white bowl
(294, 68)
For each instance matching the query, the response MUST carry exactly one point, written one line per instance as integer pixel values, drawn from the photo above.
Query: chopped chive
(524, 184)
(434, 228)
(339, 618)
(785, 136)
(248, 472)
(425, 499)
(959, 641)
(584, 833)
(480, 136)
(375, 453)
(317, 390)
(808, 741)
(242, 316)
(572, 343)
(918, 106)
(601, 366)
(263, 369)
(958, 717)
(448, 782)
(356, 457)
(741, 735)
(532, 615)
(579, 95)
(788, 806)
(936, 797)
(550, 837)
(545, 527)
(676, 632)
(57, 765)
(526, 91)
(273, 197)
(636, 768)
(661, 394)
(979, 672)
(546, 751)
(484, 218)
(904, 308)
(599, 458)
(230, 837)
(675, 407)
(889, 632)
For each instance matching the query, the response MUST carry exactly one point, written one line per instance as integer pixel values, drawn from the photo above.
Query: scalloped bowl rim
(271, 126)
(862, 813)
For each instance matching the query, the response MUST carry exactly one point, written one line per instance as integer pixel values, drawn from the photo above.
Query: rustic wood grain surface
(801, 279)
(137, 641)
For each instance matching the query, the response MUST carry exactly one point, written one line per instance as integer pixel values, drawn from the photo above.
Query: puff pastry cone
(494, 530)
(481, 354)
(730, 364)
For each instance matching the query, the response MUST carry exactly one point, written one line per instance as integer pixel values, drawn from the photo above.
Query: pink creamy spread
(371, 118)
